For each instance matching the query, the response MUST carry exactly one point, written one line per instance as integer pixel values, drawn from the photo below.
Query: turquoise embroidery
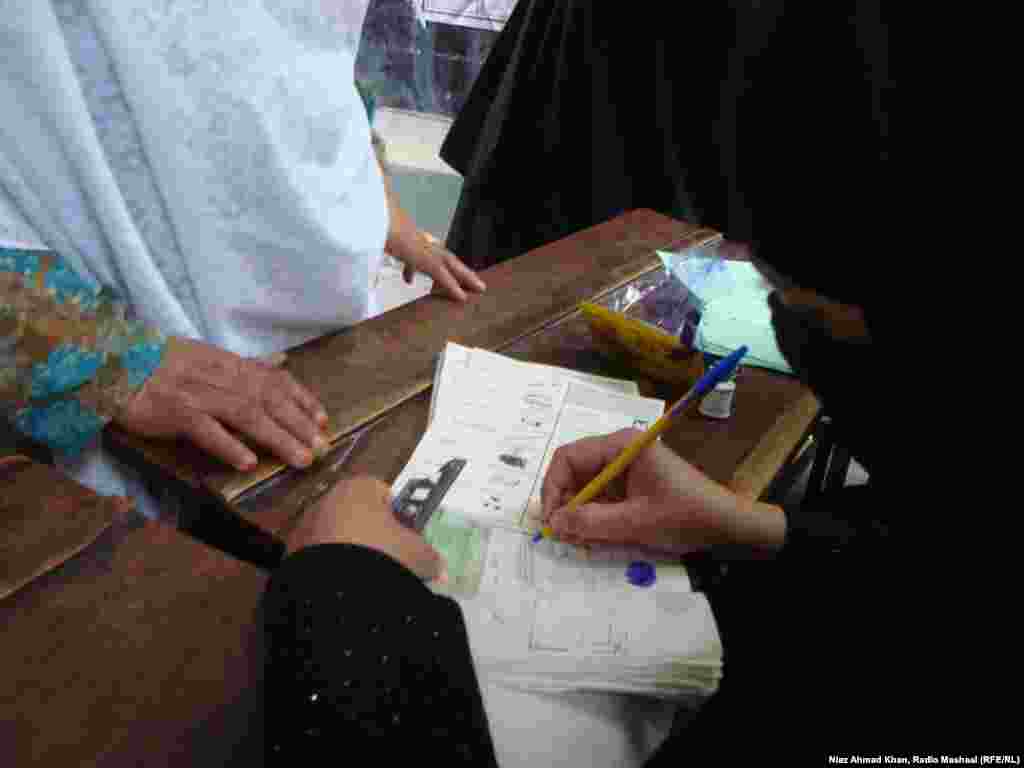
(67, 368)
(22, 262)
(70, 287)
(42, 392)
(64, 426)
(141, 361)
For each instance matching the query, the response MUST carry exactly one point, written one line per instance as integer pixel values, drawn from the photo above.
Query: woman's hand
(358, 511)
(200, 390)
(661, 501)
(422, 252)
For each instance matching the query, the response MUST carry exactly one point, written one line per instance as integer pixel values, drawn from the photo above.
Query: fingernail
(321, 417)
(568, 522)
(303, 458)
(247, 463)
(442, 577)
(557, 522)
(320, 447)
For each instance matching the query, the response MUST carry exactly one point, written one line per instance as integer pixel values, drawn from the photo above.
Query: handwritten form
(549, 615)
(547, 618)
(515, 415)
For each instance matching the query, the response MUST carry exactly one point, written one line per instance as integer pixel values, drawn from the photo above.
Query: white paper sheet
(484, 361)
(582, 625)
(456, 362)
(589, 411)
(546, 615)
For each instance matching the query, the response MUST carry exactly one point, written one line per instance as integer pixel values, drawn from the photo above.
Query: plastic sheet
(653, 322)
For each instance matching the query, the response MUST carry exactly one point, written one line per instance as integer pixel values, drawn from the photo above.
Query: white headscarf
(209, 160)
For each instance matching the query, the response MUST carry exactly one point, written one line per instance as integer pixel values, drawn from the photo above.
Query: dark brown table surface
(140, 650)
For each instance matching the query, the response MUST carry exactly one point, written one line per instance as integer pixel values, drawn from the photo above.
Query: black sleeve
(851, 521)
(842, 526)
(364, 660)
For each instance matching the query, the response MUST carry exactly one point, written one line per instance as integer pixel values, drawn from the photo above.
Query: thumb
(418, 556)
(625, 522)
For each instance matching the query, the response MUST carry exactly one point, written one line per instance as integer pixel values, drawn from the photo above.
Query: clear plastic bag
(669, 298)
(652, 323)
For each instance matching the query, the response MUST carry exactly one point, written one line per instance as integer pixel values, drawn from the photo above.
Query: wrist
(757, 526)
(404, 240)
(380, 149)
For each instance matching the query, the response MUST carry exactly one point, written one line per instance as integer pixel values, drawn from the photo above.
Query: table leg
(824, 445)
(838, 467)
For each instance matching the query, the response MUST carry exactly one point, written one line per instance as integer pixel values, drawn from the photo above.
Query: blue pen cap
(710, 360)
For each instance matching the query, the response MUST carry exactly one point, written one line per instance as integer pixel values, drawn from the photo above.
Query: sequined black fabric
(363, 658)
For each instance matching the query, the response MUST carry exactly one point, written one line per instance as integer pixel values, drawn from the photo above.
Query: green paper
(737, 313)
(463, 547)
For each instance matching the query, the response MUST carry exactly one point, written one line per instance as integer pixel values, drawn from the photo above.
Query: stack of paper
(546, 615)
(551, 616)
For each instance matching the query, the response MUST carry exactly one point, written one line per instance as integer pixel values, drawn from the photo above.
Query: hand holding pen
(627, 488)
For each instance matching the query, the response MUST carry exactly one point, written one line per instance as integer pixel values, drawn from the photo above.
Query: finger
(359, 488)
(447, 281)
(443, 577)
(627, 522)
(309, 402)
(244, 412)
(409, 273)
(464, 274)
(418, 556)
(254, 422)
(550, 497)
(299, 424)
(559, 483)
(206, 432)
(275, 360)
(576, 464)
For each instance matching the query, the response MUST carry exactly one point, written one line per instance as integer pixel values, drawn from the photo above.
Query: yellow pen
(721, 370)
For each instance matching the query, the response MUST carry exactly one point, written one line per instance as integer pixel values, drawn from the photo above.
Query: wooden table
(378, 375)
(140, 649)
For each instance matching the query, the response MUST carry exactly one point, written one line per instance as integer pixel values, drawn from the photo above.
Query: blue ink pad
(640, 574)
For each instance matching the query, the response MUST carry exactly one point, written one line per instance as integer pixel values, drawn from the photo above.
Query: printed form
(548, 615)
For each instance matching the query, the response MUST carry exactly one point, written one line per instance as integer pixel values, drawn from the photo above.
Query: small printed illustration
(516, 455)
(535, 420)
(513, 460)
(422, 495)
(492, 504)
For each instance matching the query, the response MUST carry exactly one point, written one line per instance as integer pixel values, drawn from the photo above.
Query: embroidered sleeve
(69, 358)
